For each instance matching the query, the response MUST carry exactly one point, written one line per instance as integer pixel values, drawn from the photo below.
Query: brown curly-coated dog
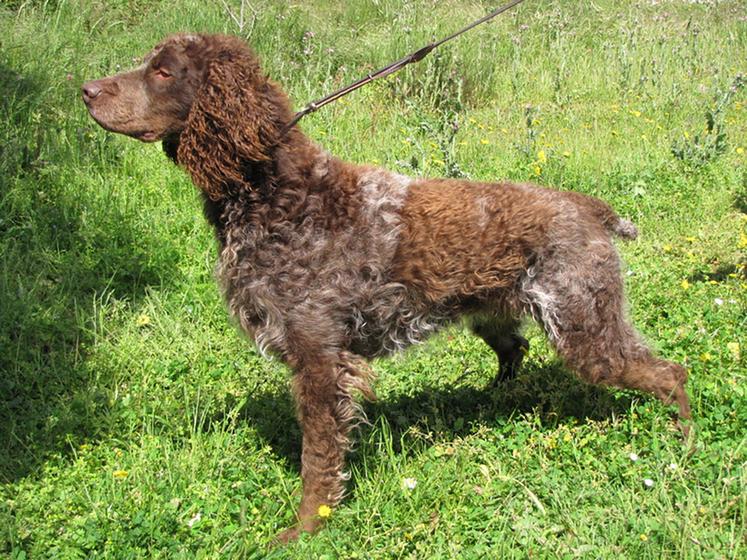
(324, 263)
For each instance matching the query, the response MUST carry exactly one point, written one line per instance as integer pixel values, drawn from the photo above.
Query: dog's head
(206, 98)
(153, 101)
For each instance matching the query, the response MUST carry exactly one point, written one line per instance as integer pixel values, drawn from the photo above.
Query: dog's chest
(299, 275)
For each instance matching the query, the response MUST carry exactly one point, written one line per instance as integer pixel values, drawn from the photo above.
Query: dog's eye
(162, 73)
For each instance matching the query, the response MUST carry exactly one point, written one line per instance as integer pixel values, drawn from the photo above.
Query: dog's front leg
(323, 412)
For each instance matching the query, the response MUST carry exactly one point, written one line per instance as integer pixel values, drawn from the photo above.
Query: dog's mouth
(139, 134)
(146, 136)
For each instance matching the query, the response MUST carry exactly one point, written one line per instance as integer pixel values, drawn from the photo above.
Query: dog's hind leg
(582, 310)
(629, 365)
(502, 335)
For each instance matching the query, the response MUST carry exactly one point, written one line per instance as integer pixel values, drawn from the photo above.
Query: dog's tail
(624, 228)
(613, 223)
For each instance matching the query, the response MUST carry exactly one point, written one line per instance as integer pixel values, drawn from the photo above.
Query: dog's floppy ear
(233, 124)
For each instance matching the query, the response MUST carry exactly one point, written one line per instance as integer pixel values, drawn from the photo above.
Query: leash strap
(416, 56)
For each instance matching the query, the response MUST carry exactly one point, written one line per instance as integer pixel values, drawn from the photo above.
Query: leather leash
(416, 56)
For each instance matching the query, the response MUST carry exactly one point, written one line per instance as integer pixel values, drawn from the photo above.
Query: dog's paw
(287, 536)
(308, 525)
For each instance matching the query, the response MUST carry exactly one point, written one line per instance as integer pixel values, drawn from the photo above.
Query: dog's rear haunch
(324, 263)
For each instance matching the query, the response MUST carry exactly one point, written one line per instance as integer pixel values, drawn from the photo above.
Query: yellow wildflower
(484, 141)
(142, 320)
(537, 170)
(685, 284)
(667, 248)
(643, 537)
(324, 511)
(541, 156)
(740, 150)
(120, 474)
(705, 356)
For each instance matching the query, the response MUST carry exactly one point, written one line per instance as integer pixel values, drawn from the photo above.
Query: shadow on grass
(718, 273)
(548, 390)
(62, 254)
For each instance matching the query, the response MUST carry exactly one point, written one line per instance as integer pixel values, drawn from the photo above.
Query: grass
(135, 421)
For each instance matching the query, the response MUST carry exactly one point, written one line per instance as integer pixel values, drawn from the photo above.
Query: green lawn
(136, 421)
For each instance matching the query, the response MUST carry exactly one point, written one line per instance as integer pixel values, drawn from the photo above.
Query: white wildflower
(409, 483)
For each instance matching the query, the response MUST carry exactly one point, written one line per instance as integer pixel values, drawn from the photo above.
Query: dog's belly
(358, 309)
(394, 319)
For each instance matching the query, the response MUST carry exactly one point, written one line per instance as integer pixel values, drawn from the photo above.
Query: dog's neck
(297, 168)
(290, 158)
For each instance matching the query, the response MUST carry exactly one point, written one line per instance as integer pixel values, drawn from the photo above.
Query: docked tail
(623, 228)
(613, 223)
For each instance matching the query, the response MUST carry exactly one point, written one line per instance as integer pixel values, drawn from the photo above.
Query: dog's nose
(91, 91)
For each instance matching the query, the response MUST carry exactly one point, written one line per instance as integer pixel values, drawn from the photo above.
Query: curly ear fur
(234, 122)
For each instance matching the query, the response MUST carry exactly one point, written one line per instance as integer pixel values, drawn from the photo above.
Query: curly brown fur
(324, 263)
